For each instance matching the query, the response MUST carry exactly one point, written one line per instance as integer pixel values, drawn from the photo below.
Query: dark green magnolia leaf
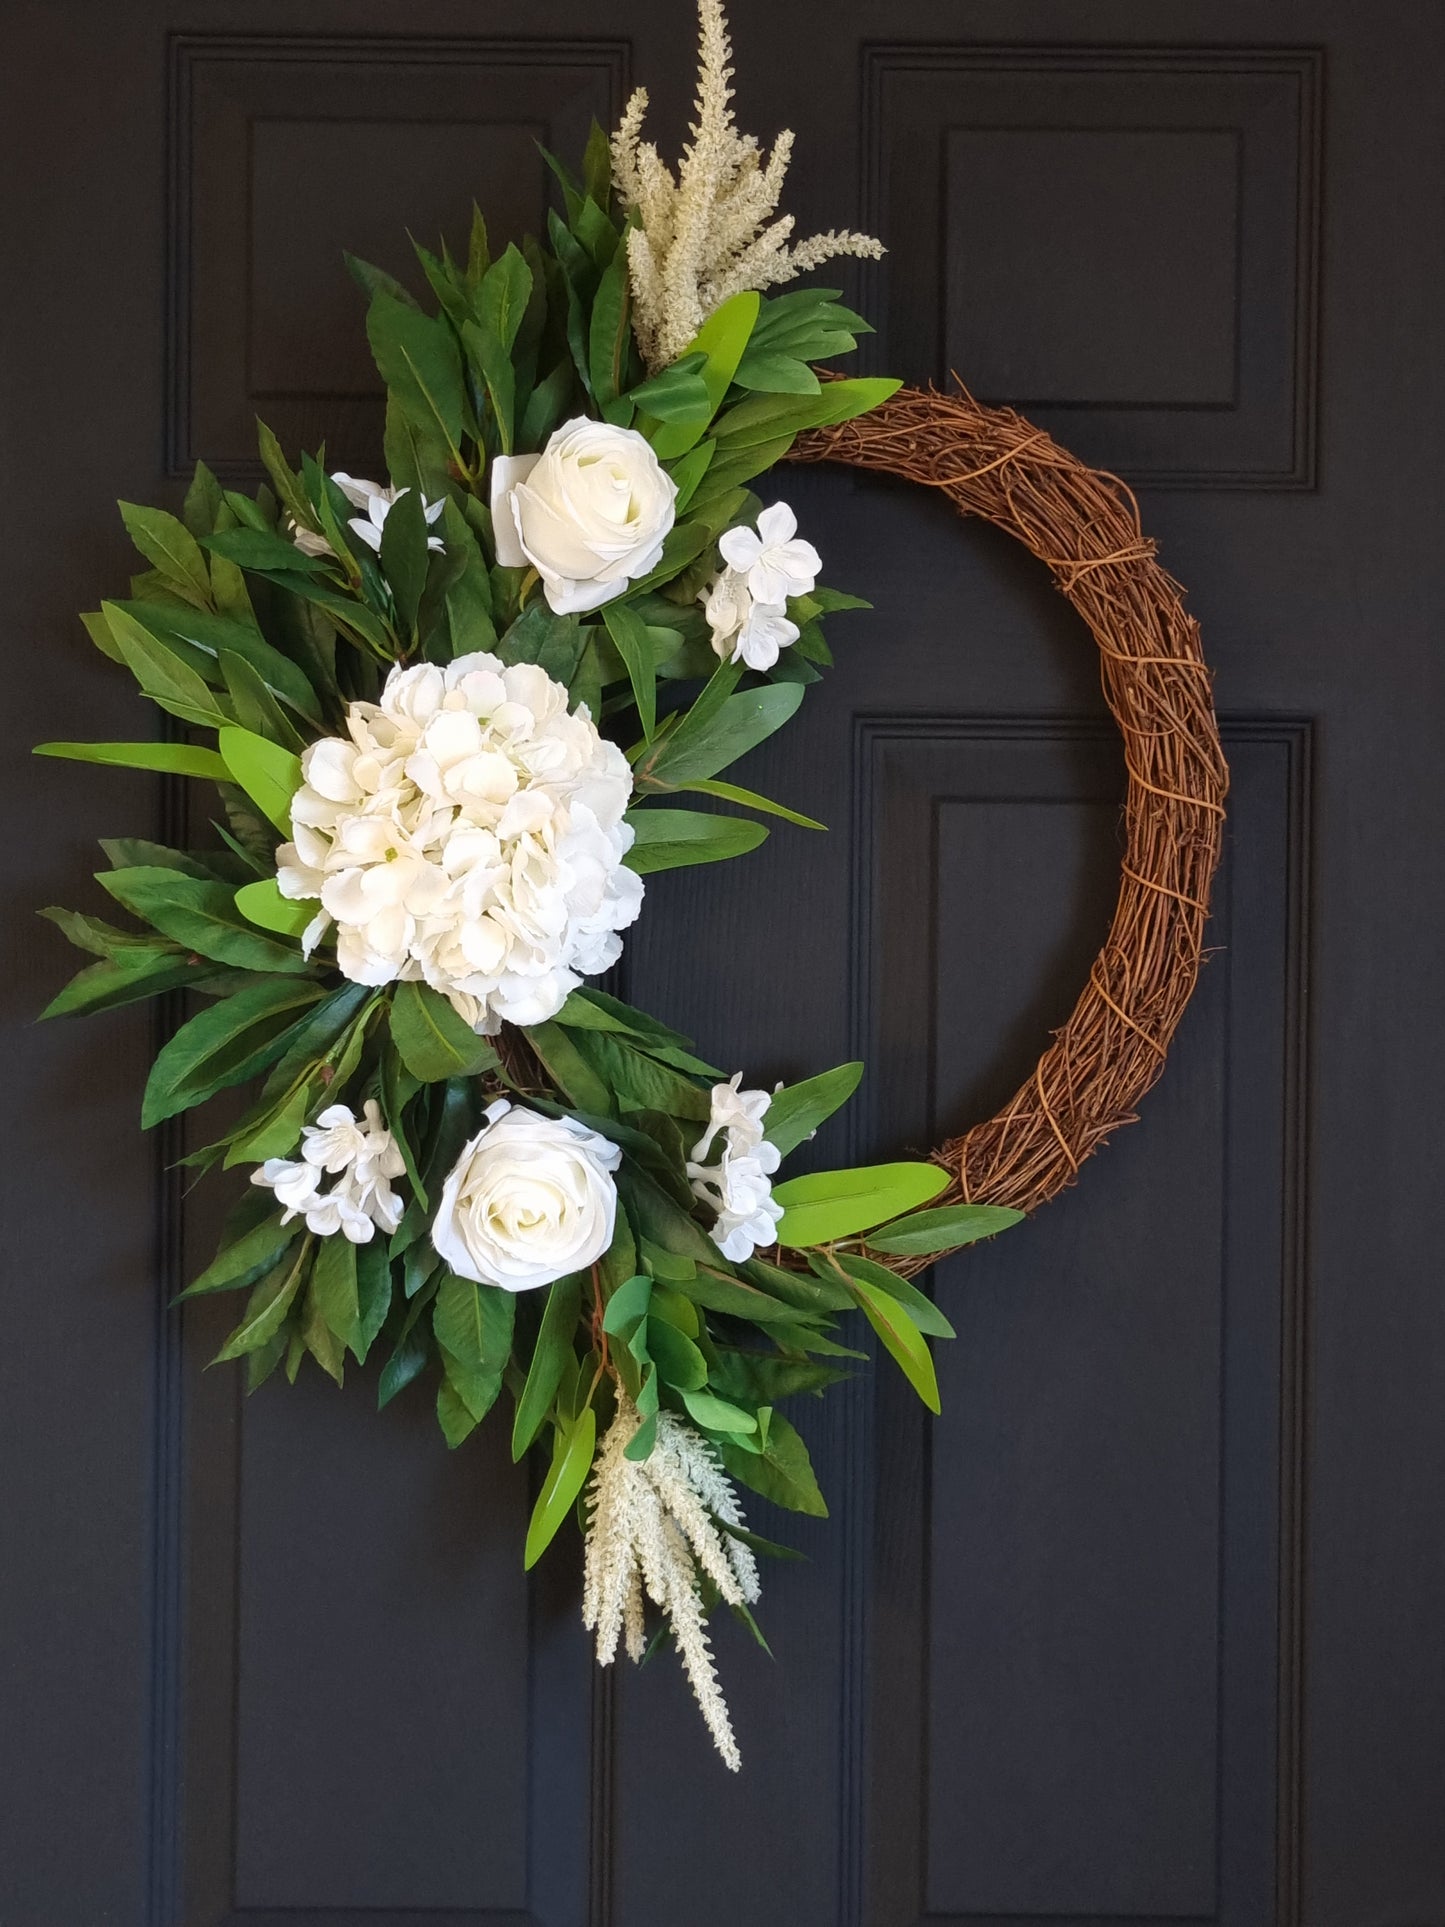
(947, 1229)
(572, 1455)
(410, 1353)
(131, 852)
(176, 759)
(288, 489)
(373, 1293)
(921, 1309)
(570, 1070)
(264, 552)
(223, 1045)
(697, 750)
(782, 1471)
(539, 635)
(163, 672)
(170, 547)
(271, 1300)
(902, 1338)
(639, 1081)
(473, 1326)
(203, 501)
(418, 360)
(94, 934)
(749, 799)
(609, 334)
(672, 839)
(333, 1288)
(254, 706)
(827, 1205)
(795, 1113)
(688, 471)
(268, 774)
(404, 556)
(200, 916)
(550, 1356)
(432, 1040)
(398, 1088)
(630, 634)
(546, 407)
(244, 1259)
(210, 636)
(502, 296)
(138, 972)
(320, 1340)
(469, 594)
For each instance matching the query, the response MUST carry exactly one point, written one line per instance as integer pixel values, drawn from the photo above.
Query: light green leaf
(782, 1471)
(163, 673)
(571, 1462)
(749, 799)
(722, 339)
(174, 759)
(669, 839)
(200, 916)
(947, 1229)
(262, 903)
(775, 373)
(628, 1303)
(473, 1326)
(827, 1205)
(697, 750)
(920, 1308)
(902, 1338)
(170, 547)
(268, 774)
(717, 1414)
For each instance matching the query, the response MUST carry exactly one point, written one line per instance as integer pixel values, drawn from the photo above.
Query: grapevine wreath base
(1084, 524)
(447, 726)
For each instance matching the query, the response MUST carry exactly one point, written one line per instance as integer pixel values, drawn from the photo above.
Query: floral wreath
(451, 721)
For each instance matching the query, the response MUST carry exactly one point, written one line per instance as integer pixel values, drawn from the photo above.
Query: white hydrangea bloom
(374, 501)
(737, 1188)
(362, 1155)
(467, 832)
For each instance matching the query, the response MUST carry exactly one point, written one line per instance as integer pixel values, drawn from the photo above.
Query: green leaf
(432, 1040)
(795, 1113)
(418, 360)
(571, 1462)
(203, 501)
(502, 295)
(473, 1325)
(200, 916)
(264, 552)
(216, 635)
(569, 1070)
(775, 373)
(164, 675)
(920, 1308)
(136, 972)
(170, 547)
(629, 632)
(453, 1416)
(721, 339)
(902, 1338)
(697, 750)
(608, 333)
(539, 635)
(493, 362)
(174, 759)
(262, 903)
(749, 799)
(717, 1414)
(224, 1044)
(675, 393)
(404, 556)
(333, 1287)
(253, 705)
(681, 1365)
(627, 1304)
(669, 839)
(373, 1291)
(782, 1471)
(243, 1261)
(270, 1302)
(268, 774)
(827, 1205)
(947, 1229)
(550, 1356)
(638, 1081)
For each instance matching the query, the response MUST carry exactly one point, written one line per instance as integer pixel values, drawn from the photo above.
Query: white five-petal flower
(361, 1154)
(737, 1188)
(773, 564)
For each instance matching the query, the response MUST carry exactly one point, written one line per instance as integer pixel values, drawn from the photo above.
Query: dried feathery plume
(650, 1526)
(709, 233)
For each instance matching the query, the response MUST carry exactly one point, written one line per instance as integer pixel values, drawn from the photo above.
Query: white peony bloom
(362, 1156)
(467, 832)
(737, 1189)
(772, 563)
(590, 513)
(374, 502)
(744, 630)
(530, 1199)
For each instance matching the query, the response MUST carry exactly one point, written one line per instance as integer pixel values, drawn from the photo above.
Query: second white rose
(590, 513)
(530, 1199)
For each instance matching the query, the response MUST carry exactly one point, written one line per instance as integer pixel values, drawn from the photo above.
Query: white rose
(589, 513)
(530, 1199)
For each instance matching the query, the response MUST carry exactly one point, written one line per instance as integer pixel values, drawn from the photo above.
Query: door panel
(1145, 1628)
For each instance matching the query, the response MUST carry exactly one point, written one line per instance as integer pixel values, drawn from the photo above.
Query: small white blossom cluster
(707, 234)
(650, 1526)
(746, 604)
(738, 1187)
(374, 502)
(361, 1155)
(467, 831)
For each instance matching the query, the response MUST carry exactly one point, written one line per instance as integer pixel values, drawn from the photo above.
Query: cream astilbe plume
(650, 1526)
(709, 233)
